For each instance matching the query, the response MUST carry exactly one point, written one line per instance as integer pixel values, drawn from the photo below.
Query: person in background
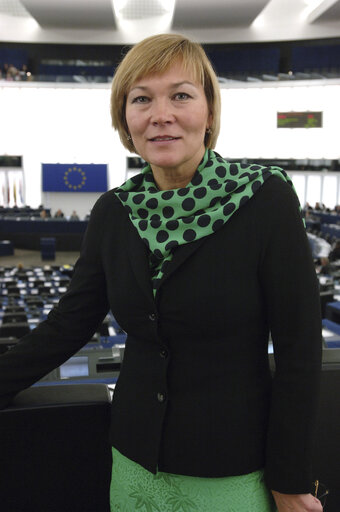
(74, 216)
(320, 248)
(44, 214)
(319, 206)
(59, 214)
(197, 259)
(334, 254)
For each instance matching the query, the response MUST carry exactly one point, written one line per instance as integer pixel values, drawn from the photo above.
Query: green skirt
(134, 488)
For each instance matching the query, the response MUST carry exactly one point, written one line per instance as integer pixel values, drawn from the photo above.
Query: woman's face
(167, 117)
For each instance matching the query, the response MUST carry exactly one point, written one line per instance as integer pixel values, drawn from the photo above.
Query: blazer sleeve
(293, 307)
(68, 327)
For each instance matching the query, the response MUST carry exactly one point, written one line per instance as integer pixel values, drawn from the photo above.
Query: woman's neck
(177, 177)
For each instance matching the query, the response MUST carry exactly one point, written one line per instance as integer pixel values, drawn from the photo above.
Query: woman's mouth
(164, 138)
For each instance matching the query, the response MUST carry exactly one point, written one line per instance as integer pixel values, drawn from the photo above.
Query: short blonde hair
(155, 55)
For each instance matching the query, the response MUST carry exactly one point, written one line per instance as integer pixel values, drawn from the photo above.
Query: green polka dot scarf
(169, 218)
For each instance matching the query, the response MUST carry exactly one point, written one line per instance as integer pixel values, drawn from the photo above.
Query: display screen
(10, 161)
(299, 119)
(77, 366)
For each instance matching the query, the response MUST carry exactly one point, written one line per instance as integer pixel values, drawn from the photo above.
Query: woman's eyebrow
(172, 86)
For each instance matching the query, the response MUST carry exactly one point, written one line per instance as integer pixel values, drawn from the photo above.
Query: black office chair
(14, 317)
(34, 301)
(6, 344)
(15, 330)
(10, 282)
(55, 451)
(14, 309)
(13, 290)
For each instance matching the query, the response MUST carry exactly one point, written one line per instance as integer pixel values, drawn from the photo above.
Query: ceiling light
(142, 9)
(142, 18)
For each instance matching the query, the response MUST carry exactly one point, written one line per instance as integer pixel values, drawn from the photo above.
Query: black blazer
(195, 395)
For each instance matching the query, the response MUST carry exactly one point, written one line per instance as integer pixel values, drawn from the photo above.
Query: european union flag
(74, 177)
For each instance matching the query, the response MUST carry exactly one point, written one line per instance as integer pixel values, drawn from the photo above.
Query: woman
(198, 259)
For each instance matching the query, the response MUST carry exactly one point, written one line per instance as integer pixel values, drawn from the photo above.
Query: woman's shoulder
(276, 203)
(107, 200)
(277, 192)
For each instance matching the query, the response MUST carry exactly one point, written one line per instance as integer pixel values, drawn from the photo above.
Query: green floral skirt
(133, 488)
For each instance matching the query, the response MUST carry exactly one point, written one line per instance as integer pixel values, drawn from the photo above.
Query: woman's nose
(162, 112)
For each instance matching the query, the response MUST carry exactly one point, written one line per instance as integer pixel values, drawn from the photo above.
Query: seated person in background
(319, 206)
(74, 216)
(44, 214)
(59, 214)
(335, 252)
(320, 248)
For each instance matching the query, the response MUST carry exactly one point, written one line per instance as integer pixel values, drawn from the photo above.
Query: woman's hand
(296, 502)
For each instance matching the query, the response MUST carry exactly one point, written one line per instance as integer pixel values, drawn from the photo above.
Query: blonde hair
(154, 55)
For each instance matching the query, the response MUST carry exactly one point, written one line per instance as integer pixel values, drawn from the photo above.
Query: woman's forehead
(176, 72)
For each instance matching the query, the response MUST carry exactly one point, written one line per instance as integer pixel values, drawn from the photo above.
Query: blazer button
(163, 353)
(152, 316)
(161, 397)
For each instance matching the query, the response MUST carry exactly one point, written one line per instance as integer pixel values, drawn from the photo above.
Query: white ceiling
(216, 13)
(96, 21)
(76, 14)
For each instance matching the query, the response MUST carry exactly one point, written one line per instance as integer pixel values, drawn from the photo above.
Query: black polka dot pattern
(217, 224)
(221, 171)
(228, 209)
(203, 220)
(167, 195)
(171, 245)
(189, 235)
(243, 200)
(188, 204)
(166, 219)
(230, 186)
(143, 225)
(143, 213)
(233, 169)
(155, 223)
(152, 203)
(182, 191)
(172, 225)
(188, 220)
(162, 236)
(138, 198)
(168, 212)
(200, 192)
(197, 179)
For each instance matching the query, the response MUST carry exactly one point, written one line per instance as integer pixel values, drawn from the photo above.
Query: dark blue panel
(245, 60)
(315, 57)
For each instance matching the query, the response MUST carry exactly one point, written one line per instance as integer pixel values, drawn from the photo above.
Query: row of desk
(27, 296)
(26, 233)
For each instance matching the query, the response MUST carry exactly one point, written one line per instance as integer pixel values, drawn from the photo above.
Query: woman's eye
(140, 99)
(182, 96)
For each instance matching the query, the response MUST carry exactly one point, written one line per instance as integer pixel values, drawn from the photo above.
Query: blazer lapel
(139, 259)
(181, 254)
